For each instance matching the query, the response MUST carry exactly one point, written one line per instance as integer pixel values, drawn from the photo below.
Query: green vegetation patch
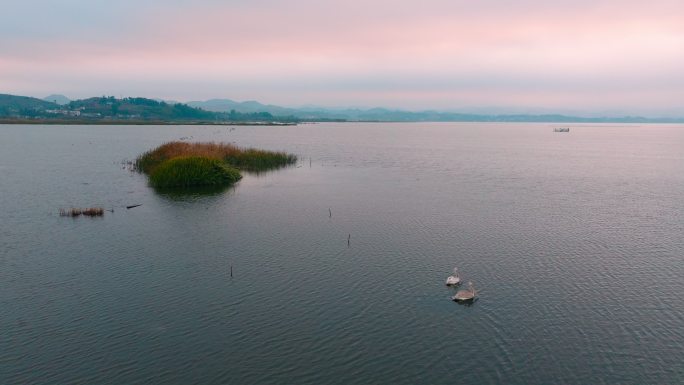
(193, 171)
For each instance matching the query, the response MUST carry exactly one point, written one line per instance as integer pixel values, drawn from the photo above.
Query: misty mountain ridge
(226, 105)
(58, 99)
(397, 115)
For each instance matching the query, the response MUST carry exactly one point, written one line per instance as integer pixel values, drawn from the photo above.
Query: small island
(182, 164)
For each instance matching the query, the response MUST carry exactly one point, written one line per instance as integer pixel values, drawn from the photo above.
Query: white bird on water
(453, 279)
(465, 295)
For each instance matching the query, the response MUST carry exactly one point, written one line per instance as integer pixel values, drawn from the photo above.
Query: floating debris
(561, 129)
(76, 212)
(132, 206)
(93, 212)
(69, 213)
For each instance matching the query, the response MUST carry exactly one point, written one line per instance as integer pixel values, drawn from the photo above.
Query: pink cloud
(567, 49)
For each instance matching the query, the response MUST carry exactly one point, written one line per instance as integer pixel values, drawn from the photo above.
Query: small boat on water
(465, 295)
(454, 278)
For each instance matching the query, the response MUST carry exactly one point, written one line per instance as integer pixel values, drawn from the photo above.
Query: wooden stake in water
(231, 271)
(348, 240)
(330, 211)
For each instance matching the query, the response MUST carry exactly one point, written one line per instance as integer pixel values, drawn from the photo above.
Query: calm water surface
(576, 242)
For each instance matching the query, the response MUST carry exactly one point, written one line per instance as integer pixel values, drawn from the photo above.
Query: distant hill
(137, 108)
(56, 98)
(12, 105)
(111, 110)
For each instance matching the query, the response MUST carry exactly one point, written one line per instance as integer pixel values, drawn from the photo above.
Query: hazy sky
(518, 55)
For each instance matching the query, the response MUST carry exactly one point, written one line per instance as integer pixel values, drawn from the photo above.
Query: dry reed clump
(148, 161)
(75, 212)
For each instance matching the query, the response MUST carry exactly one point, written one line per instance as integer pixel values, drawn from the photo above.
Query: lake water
(574, 240)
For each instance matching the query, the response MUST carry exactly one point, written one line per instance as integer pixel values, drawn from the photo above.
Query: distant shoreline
(138, 122)
(70, 122)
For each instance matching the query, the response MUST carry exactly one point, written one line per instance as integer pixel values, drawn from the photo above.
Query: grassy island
(182, 164)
